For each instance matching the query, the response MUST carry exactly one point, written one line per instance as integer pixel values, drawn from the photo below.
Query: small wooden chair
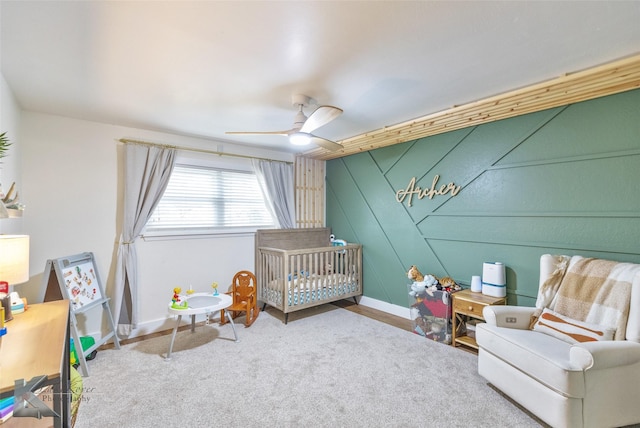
(244, 291)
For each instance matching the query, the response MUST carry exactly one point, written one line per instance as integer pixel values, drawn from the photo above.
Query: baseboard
(155, 326)
(167, 323)
(387, 307)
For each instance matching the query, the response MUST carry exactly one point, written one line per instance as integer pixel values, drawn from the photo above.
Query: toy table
(200, 303)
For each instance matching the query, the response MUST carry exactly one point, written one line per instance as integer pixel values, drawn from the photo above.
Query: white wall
(10, 168)
(73, 191)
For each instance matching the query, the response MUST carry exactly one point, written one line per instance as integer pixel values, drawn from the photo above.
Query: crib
(300, 268)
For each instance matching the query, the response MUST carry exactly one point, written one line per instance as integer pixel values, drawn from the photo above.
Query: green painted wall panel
(558, 181)
(373, 220)
(563, 187)
(391, 219)
(468, 156)
(604, 234)
(522, 263)
(422, 157)
(356, 222)
(387, 157)
(587, 128)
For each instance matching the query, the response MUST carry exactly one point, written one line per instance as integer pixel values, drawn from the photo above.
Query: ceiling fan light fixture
(299, 120)
(300, 133)
(300, 139)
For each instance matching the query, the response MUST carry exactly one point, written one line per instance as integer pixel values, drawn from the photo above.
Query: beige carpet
(326, 367)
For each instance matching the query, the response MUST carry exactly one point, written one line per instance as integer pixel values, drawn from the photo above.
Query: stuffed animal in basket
(418, 289)
(414, 274)
(421, 284)
(448, 284)
(418, 286)
(431, 283)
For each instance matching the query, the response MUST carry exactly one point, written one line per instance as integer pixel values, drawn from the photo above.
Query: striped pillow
(570, 330)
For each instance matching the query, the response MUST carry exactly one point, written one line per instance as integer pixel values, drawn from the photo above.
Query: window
(209, 200)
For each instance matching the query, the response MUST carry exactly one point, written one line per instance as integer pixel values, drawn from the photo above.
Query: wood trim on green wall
(560, 181)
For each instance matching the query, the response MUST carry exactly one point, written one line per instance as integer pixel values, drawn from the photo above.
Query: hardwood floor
(349, 305)
(376, 314)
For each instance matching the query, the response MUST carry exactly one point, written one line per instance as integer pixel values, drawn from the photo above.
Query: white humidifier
(494, 280)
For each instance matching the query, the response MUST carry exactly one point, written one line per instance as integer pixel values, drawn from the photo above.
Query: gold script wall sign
(412, 190)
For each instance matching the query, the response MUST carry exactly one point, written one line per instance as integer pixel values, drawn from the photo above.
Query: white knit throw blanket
(592, 290)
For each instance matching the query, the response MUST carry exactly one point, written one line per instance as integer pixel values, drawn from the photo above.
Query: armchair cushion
(606, 355)
(570, 330)
(543, 357)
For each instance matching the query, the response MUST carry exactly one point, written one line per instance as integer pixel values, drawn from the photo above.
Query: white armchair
(563, 382)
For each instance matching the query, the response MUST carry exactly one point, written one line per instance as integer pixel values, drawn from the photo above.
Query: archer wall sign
(412, 190)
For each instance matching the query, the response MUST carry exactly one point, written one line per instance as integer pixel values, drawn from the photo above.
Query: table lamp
(14, 267)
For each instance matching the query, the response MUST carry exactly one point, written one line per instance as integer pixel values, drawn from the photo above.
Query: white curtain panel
(146, 174)
(277, 185)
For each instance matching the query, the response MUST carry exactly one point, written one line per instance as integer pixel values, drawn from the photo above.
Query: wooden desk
(37, 344)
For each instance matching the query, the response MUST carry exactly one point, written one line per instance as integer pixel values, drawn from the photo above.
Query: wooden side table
(466, 303)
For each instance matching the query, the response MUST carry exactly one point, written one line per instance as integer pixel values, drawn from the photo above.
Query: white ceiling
(200, 68)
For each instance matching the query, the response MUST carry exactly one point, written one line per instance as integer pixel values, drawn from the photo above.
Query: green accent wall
(559, 181)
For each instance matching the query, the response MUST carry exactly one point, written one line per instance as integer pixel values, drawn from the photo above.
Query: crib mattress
(310, 289)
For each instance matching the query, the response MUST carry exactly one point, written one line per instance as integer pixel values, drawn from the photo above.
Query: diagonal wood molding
(611, 78)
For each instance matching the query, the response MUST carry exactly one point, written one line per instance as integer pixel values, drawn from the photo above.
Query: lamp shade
(14, 258)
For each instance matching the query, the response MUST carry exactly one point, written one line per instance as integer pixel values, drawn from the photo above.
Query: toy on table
(214, 285)
(190, 291)
(178, 303)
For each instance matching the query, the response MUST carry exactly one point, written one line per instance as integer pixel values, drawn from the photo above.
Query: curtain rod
(189, 149)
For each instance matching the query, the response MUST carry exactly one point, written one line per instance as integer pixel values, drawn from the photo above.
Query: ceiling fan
(300, 134)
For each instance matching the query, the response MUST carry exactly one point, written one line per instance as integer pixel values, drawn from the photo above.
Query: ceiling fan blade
(326, 144)
(321, 116)
(284, 133)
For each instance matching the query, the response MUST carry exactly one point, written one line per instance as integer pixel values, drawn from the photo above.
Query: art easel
(76, 278)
